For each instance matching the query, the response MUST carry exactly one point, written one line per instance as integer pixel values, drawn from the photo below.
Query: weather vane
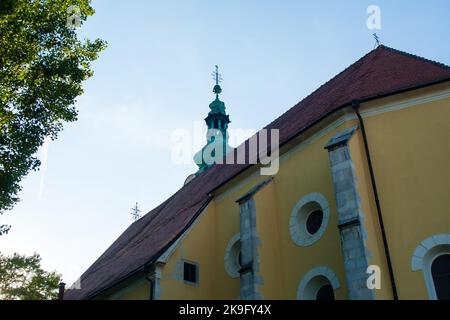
(135, 212)
(377, 40)
(218, 78)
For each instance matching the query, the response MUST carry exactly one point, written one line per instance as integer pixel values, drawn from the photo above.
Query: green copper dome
(217, 106)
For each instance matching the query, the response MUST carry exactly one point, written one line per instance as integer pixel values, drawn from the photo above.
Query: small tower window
(190, 272)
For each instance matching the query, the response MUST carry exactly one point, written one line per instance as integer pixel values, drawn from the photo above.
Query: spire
(217, 122)
(217, 117)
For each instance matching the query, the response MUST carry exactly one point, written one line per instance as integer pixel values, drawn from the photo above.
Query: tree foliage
(42, 66)
(22, 278)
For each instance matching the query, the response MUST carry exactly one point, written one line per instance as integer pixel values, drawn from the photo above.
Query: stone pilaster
(155, 277)
(249, 245)
(350, 216)
(249, 251)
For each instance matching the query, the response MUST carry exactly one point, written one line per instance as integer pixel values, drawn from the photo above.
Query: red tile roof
(381, 72)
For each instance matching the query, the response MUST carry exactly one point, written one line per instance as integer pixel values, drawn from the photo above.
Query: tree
(42, 67)
(22, 278)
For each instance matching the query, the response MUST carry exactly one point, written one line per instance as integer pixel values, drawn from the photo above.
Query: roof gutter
(356, 106)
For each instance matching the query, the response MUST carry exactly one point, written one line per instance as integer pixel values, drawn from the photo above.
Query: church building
(358, 209)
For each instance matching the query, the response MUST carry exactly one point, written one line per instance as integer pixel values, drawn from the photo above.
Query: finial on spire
(218, 78)
(377, 40)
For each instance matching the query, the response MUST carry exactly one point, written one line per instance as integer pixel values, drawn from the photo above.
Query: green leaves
(7, 6)
(22, 278)
(42, 67)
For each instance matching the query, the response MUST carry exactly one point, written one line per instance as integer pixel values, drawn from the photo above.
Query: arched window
(432, 256)
(440, 271)
(325, 292)
(318, 284)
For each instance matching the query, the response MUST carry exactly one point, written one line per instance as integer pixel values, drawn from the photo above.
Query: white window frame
(231, 261)
(297, 222)
(197, 273)
(425, 254)
(306, 292)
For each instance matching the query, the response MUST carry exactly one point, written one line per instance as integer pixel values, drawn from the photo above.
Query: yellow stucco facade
(407, 135)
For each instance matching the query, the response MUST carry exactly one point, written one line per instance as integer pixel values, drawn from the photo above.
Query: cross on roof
(217, 76)
(135, 212)
(377, 40)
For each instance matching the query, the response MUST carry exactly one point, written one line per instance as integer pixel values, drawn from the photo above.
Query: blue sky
(154, 78)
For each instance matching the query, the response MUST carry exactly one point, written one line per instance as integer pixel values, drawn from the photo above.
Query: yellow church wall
(410, 154)
(374, 241)
(199, 246)
(206, 244)
(303, 172)
(228, 225)
(267, 225)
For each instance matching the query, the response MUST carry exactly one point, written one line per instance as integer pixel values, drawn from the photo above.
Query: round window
(232, 258)
(314, 221)
(309, 219)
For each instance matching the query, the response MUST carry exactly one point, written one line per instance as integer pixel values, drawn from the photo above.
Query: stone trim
(249, 281)
(231, 267)
(425, 247)
(253, 191)
(424, 255)
(341, 138)
(322, 271)
(350, 216)
(299, 214)
(155, 277)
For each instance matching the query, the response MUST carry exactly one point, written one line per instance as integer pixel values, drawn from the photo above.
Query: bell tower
(217, 135)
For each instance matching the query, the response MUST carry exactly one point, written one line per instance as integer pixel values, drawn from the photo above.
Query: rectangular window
(190, 272)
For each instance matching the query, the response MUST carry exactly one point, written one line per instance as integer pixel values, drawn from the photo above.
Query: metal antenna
(135, 212)
(377, 40)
